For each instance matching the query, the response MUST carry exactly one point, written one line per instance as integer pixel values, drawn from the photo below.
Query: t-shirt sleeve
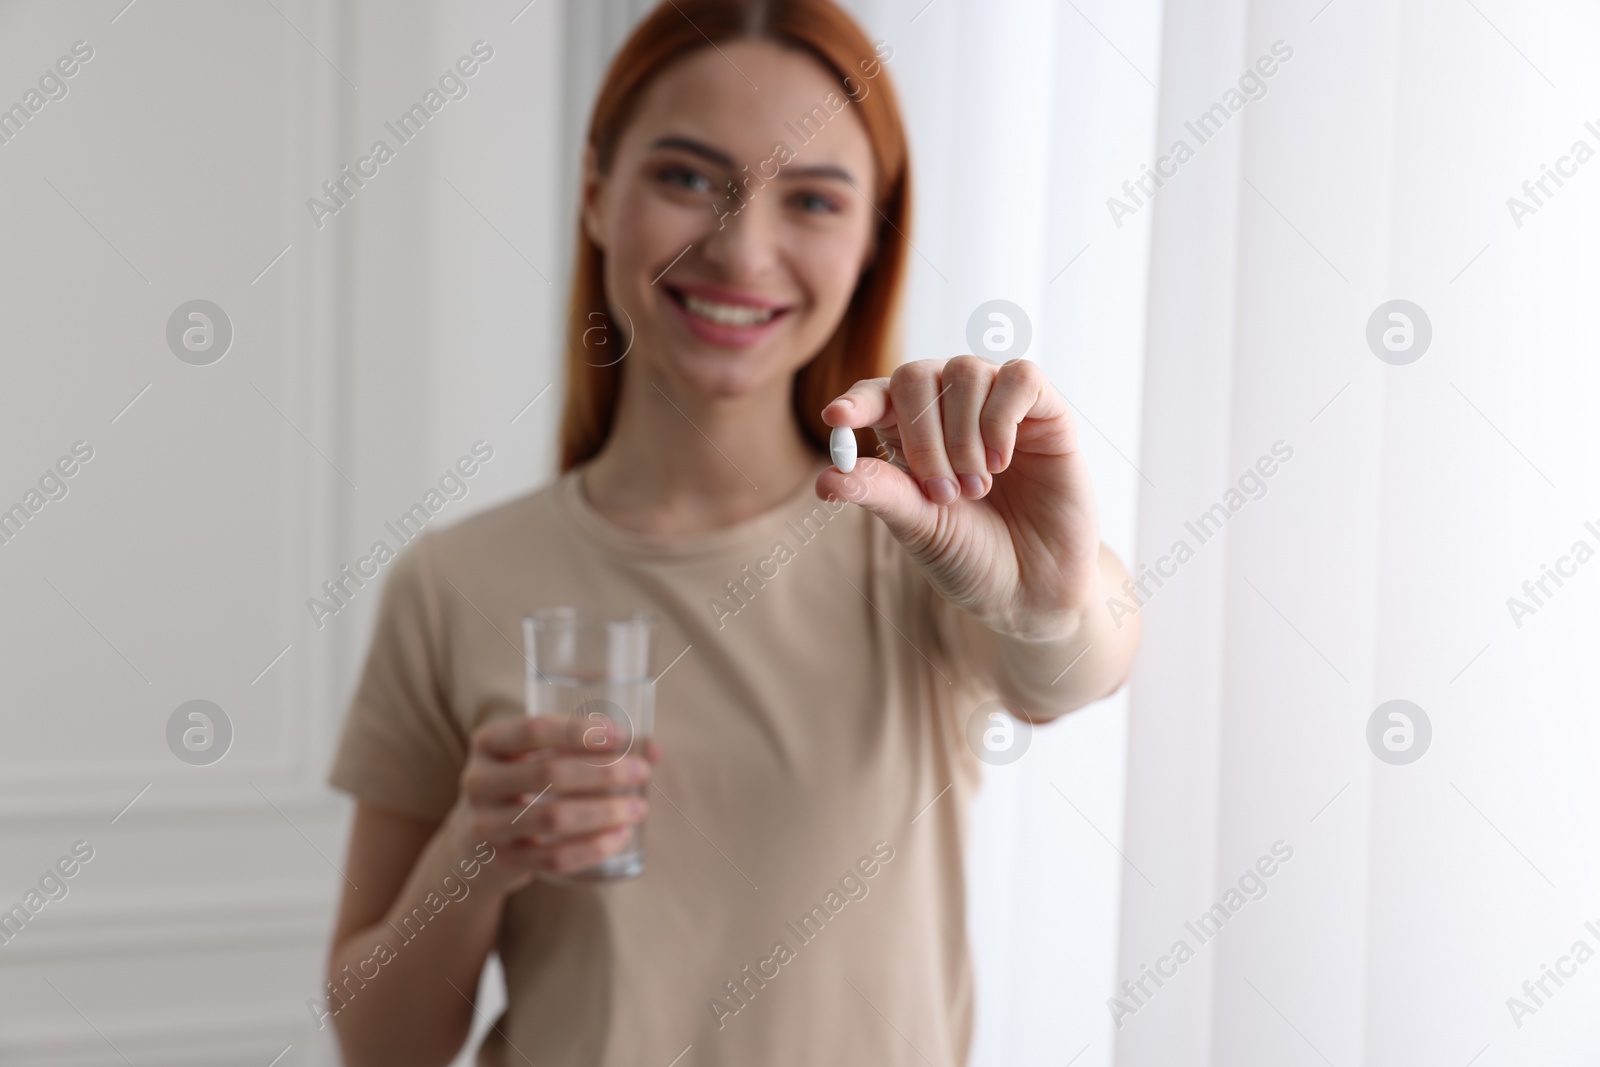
(1025, 670)
(402, 746)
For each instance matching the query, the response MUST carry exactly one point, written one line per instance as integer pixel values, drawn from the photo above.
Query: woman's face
(728, 289)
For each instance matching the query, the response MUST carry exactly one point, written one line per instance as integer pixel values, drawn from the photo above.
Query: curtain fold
(1441, 858)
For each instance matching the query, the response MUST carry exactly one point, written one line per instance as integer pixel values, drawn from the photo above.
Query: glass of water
(594, 670)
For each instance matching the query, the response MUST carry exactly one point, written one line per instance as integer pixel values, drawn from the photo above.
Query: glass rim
(573, 617)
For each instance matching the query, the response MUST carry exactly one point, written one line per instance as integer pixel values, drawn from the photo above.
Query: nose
(744, 246)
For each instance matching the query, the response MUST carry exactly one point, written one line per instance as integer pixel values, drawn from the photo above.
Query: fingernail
(994, 461)
(845, 402)
(971, 484)
(940, 490)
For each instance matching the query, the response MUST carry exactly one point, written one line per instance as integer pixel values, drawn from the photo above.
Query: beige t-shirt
(803, 900)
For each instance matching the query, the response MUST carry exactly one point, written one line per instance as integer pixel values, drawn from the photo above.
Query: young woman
(743, 238)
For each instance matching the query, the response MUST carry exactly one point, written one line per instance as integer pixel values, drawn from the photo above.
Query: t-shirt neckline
(586, 519)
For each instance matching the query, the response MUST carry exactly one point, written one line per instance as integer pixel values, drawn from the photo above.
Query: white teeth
(727, 314)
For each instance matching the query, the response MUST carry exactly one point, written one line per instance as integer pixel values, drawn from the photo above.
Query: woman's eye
(815, 204)
(685, 179)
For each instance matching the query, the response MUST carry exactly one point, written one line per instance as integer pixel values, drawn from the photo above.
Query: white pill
(842, 448)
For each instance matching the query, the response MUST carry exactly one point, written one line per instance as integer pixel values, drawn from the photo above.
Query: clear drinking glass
(592, 670)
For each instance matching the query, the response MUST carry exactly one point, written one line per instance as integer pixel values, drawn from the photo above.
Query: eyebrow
(722, 159)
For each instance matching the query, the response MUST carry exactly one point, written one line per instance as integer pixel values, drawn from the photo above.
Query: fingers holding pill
(978, 473)
(865, 405)
(933, 417)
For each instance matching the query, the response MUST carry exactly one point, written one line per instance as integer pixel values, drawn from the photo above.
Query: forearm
(391, 997)
(1048, 677)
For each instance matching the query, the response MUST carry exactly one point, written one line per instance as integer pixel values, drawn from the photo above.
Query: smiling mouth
(715, 311)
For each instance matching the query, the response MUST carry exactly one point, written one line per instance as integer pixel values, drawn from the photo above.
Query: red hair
(861, 346)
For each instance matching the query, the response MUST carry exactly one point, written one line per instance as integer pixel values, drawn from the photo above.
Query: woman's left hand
(997, 508)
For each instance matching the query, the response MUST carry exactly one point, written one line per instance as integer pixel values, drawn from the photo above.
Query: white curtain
(1420, 496)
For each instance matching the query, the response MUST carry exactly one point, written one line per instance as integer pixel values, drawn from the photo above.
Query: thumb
(889, 493)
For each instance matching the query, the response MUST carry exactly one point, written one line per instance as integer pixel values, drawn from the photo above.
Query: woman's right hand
(549, 796)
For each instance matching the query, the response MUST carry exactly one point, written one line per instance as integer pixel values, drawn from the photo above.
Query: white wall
(177, 565)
